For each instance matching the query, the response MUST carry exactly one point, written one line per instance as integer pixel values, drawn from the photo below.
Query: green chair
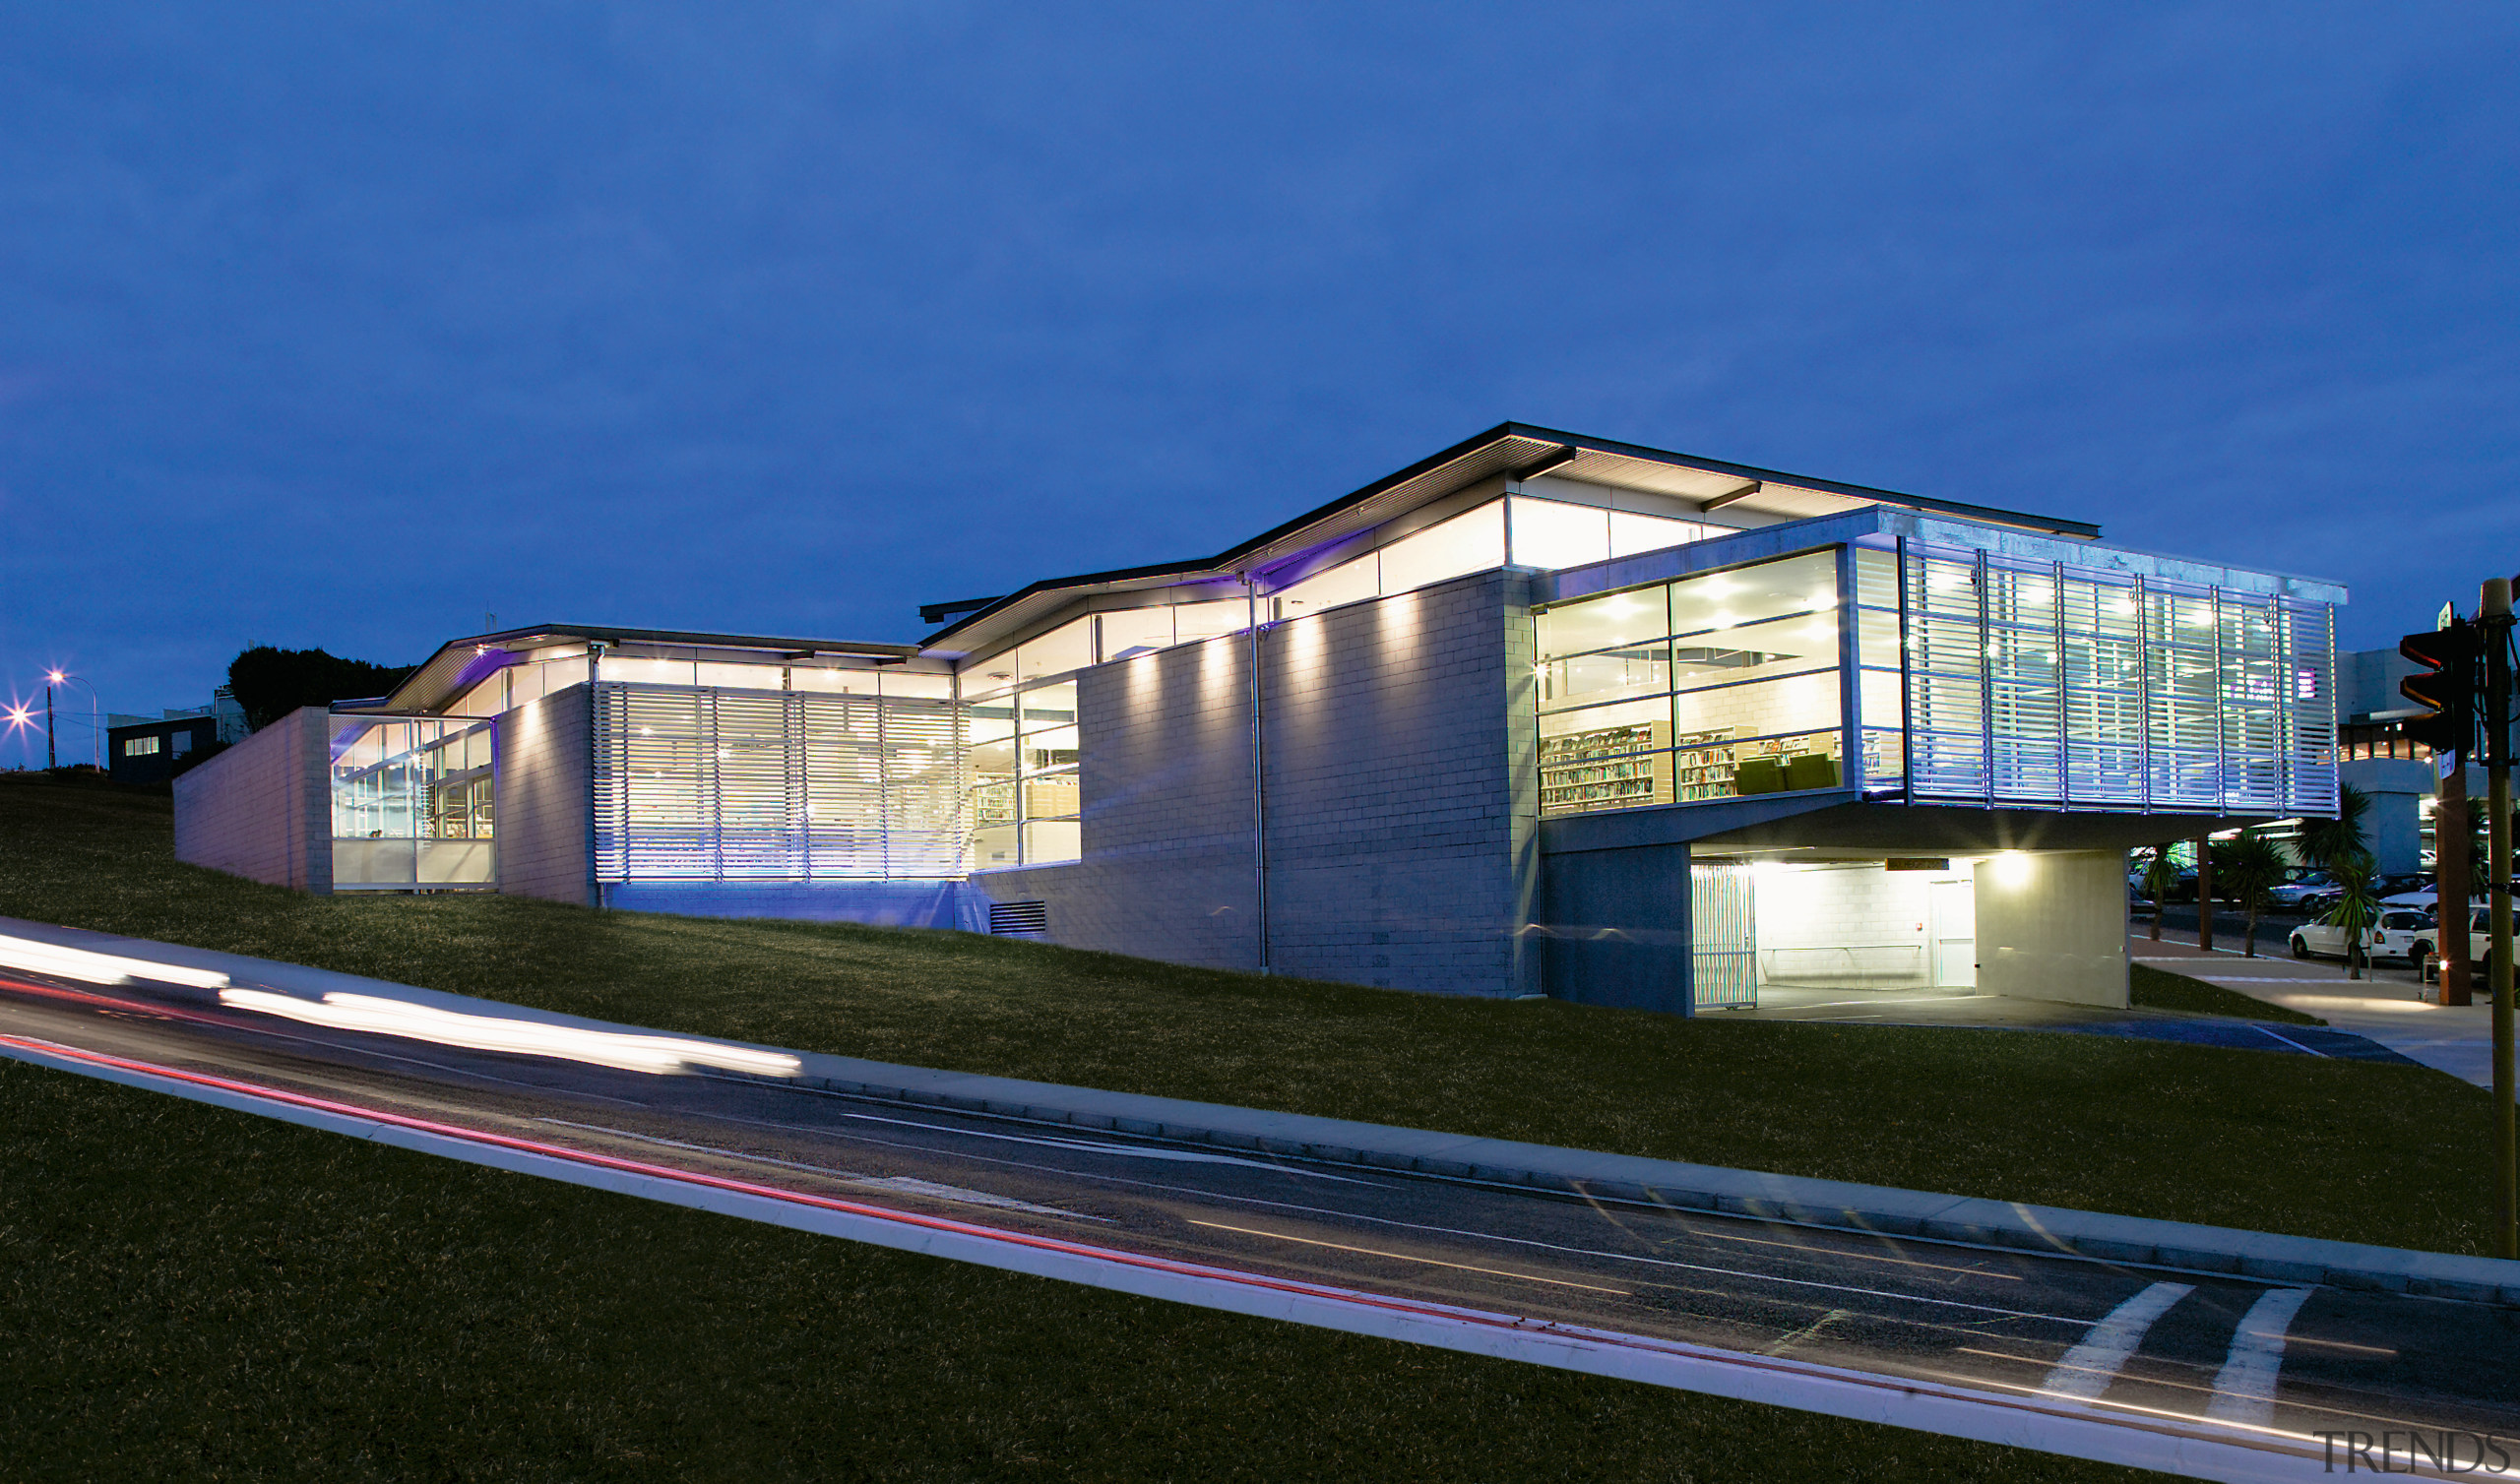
(1759, 775)
(1810, 770)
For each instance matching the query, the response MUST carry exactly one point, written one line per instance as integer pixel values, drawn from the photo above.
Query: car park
(2398, 934)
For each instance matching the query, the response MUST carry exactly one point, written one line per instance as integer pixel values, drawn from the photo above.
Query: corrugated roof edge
(1504, 430)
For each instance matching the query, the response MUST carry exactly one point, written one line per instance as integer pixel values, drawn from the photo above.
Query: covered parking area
(1773, 906)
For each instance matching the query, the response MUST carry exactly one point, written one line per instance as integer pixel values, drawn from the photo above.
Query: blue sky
(345, 325)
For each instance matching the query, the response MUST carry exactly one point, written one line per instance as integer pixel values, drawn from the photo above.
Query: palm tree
(2252, 867)
(2356, 907)
(2159, 878)
(2323, 842)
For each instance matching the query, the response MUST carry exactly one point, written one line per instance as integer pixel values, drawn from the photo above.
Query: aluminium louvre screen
(694, 784)
(2043, 684)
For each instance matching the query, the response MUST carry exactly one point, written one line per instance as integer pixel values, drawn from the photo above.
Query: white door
(1954, 925)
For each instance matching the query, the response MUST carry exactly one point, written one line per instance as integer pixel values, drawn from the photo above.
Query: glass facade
(1976, 677)
(1706, 688)
(1523, 531)
(701, 783)
(412, 803)
(1024, 798)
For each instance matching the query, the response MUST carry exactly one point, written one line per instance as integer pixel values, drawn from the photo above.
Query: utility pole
(2494, 615)
(2205, 893)
(48, 763)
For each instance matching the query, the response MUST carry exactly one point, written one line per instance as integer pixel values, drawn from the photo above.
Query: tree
(2356, 908)
(2251, 867)
(2159, 878)
(2323, 841)
(270, 683)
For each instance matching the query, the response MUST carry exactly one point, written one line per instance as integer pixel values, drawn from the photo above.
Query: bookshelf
(1607, 768)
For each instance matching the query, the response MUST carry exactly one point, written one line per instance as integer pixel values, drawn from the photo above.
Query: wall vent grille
(1018, 919)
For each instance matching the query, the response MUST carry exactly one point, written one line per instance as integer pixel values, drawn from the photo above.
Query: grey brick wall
(1402, 801)
(263, 809)
(545, 797)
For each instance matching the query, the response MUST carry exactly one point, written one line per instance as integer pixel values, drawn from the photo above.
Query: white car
(2419, 900)
(2399, 934)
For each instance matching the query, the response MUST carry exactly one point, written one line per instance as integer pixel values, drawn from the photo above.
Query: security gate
(1724, 959)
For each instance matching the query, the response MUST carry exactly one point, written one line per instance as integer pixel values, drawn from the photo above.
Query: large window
(1523, 531)
(1025, 801)
(1706, 688)
(411, 803)
(1979, 677)
(702, 785)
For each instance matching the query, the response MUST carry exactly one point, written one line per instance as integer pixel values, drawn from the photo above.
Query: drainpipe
(1259, 780)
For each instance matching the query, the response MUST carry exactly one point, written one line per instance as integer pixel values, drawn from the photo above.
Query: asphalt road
(2135, 1342)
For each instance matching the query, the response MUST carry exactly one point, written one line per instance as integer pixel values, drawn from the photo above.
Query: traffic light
(2446, 686)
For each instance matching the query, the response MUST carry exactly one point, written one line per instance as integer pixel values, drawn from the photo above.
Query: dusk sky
(349, 324)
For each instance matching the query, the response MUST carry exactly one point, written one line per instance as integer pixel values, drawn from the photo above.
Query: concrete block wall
(1402, 798)
(546, 797)
(263, 809)
(1855, 923)
(1618, 928)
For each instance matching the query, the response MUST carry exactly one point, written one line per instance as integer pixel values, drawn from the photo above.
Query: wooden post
(2204, 893)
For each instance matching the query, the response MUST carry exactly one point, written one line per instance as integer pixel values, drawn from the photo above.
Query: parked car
(2397, 935)
(2479, 935)
(2182, 886)
(2386, 889)
(2290, 895)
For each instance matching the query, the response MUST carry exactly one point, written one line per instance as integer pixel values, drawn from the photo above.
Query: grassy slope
(2160, 989)
(2256, 1139)
(191, 1293)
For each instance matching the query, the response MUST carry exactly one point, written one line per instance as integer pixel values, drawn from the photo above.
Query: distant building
(146, 750)
(2376, 755)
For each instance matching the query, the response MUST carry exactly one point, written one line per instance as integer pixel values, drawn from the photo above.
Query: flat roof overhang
(456, 665)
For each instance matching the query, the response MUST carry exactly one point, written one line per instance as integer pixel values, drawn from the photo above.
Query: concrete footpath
(2386, 1006)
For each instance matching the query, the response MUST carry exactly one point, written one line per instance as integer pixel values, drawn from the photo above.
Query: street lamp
(22, 718)
(96, 722)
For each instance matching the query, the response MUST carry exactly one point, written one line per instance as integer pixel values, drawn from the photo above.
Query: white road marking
(1318, 1210)
(2296, 1045)
(2245, 1390)
(2088, 1367)
(901, 1184)
(1130, 1151)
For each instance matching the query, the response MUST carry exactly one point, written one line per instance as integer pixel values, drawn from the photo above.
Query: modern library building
(1540, 714)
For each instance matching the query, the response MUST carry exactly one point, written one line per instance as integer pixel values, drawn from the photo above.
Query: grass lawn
(2259, 1139)
(2160, 989)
